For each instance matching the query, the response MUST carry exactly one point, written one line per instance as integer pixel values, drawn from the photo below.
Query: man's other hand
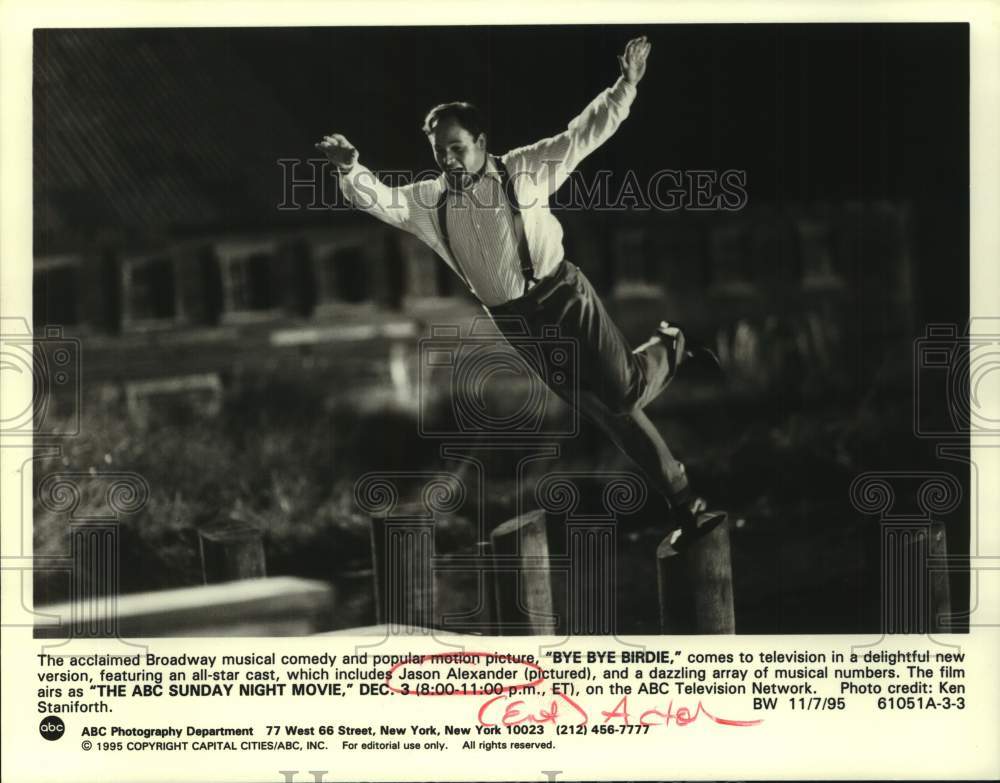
(339, 151)
(633, 62)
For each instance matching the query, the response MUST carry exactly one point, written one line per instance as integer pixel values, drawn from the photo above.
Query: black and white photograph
(501, 330)
(449, 391)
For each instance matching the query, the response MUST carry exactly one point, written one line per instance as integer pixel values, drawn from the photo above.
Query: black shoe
(673, 340)
(690, 521)
(672, 337)
(690, 348)
(683, 538)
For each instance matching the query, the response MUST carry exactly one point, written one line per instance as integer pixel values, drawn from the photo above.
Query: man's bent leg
(625, 380)
(613, 383)
(639, 440)
(637, 437)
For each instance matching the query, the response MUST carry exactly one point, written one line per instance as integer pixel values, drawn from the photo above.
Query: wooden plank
(201, 392)
(394, 629)
(277, 606)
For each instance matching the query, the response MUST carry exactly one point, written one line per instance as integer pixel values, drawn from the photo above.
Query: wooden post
(916, 597)
(522, 578)
(94, 585)
(355, 597)
(940, 587)
(232, 553)
(696, 584)
(402, 550)
(488, 624)
(593, 584)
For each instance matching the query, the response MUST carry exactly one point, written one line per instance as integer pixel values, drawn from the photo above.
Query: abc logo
(52, 728)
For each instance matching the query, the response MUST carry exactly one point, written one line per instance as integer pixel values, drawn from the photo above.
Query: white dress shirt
(480, 224)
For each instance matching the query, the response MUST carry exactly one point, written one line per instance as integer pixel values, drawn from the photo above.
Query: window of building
(633, 273)
(251, 282)
(250, 285)
(345, 275)
(56, 292)
(728, 254)
(149, 291)
(816, 248)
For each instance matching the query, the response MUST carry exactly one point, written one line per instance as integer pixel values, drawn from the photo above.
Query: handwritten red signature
(504, 710)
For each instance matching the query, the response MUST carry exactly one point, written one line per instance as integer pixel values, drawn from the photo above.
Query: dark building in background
(180, 230)
(161, 203)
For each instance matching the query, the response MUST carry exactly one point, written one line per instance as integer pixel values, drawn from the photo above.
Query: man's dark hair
(465, 114)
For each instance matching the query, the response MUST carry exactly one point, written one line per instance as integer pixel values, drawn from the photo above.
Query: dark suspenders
(523, 254)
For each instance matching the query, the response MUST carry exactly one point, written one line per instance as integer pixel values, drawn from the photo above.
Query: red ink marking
(683, 716)
(620, 711)
(512, 715)
(499, 710)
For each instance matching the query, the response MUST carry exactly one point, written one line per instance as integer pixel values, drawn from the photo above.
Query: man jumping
(488, 218)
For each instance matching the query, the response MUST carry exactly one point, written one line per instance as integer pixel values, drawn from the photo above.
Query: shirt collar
(489, 169)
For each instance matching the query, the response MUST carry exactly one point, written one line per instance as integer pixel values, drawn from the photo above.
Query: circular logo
(52, 727)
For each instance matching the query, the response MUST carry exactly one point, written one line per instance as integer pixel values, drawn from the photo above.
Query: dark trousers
(612, 383)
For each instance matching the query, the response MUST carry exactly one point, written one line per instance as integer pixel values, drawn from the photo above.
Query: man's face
(455, 150)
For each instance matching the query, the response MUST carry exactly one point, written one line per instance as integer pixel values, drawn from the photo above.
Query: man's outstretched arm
(553, 159)
(363, 189)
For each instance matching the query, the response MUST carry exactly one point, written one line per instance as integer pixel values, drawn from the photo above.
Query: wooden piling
(916, 597)
(940, 587)
(522, 577)
(593, 581)
(232, 553)
(488, 586)
(696, 583)
(94, 584)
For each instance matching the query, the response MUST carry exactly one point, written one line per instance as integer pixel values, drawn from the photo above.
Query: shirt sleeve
(395, 206)
(547, 163)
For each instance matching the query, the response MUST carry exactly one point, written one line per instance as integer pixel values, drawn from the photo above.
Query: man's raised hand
(633, 62)
(339, 151)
